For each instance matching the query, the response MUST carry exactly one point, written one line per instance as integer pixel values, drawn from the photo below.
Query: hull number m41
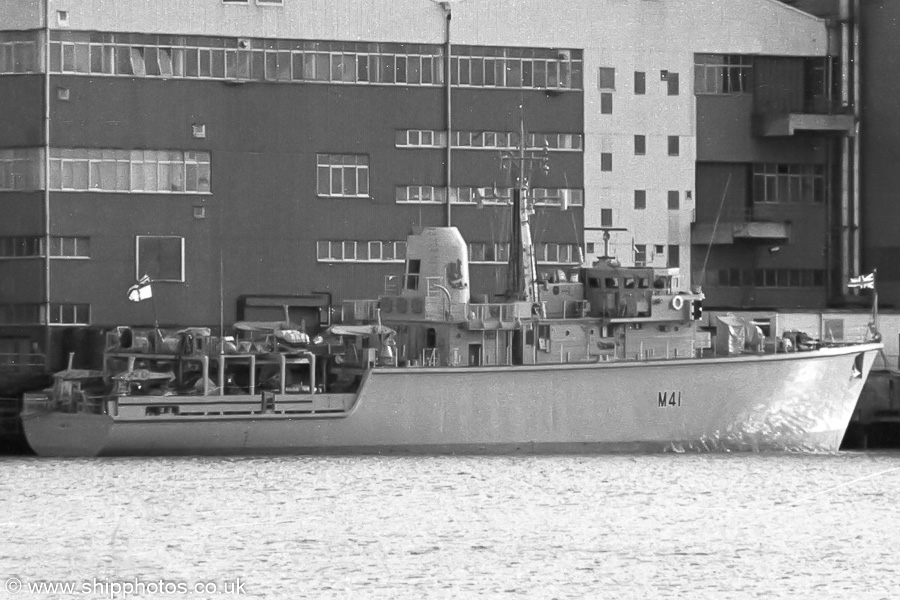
(667, 399)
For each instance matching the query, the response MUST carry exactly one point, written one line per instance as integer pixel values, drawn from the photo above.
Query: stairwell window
(640, 199)
(640, 145)
(606, 161)
(160, 257)
(674, 145)
(342, 175)
(674, 200)
(672, 83)
(640, 83)
(606, 217)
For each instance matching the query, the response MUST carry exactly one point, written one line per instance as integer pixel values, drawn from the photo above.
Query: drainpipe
(447, 86)
(46, 208)
(855, 249)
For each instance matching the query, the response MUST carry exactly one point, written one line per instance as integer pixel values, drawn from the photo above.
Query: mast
(521, 277)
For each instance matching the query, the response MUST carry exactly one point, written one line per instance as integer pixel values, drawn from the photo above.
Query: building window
(640, 83)
(550, 141)
(673, 145)
(606, 217)
(421, 138)
(606, 78)
(480, 195)
(70, 314)
(640, 145)
(21, 246)
(563, 197)
(70, 247)
(18, 52)
(552, 253)
(606, 103)
(673, 260)
(284, 60)
(674, 200)
(490, 140)
(788, 184)
(21, 169)
(672, 83)
(161, 258)
(270, 2)
(484, 66)
(107, 170)
(768, 278)
(360, 251)
(606, 161)
(342, 175)
(421, 194)
(488, 253)
(722, 74)
(589, 247)
(658, 249)
(640, 199)
(640, 255)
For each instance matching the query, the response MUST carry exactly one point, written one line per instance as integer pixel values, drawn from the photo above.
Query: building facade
(278, 147)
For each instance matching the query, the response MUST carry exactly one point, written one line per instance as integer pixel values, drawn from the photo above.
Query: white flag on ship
(141, 290)
(863, 282)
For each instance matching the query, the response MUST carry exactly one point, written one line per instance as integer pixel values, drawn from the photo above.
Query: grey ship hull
(799, 401)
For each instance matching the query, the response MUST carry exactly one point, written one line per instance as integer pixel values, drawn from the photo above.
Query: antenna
(712, 236)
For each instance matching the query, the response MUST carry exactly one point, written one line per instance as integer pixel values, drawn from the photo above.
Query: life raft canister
(677, 302)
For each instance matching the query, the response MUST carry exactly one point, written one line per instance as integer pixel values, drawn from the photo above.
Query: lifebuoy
(677, 302)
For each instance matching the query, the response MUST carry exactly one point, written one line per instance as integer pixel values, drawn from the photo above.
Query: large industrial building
(227, 148)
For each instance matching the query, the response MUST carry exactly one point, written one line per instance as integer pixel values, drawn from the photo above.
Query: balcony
(818, 115)
(740, 226)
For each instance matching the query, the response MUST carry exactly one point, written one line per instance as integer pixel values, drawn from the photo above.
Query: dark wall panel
(21, 111)
(264, 215)
(880, 131)
(724, 133)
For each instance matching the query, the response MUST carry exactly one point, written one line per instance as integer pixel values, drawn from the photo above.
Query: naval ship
(599, 358)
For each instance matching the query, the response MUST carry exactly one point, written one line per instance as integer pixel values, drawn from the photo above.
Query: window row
(498, 253)
(606, 80)
(673, 145)
(781, 278)
(431, 194)
(169, 171)
(21, 169)
(31, 246)
(320, 61)
(259, 2)
(788, 184)
(360, 251)
(18, 56)
(342, 175)
(558, 72)
(722, 74)
(502, 140)
(673, 199)
(107, 170)
(35, 314)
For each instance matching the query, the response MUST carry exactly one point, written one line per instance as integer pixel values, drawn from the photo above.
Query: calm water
(666, 526)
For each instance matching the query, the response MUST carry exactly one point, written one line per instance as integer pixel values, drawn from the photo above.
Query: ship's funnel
(437, 256)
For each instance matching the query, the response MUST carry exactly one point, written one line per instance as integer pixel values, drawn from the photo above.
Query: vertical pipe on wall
(856, 250)
(845, 258)
(448, 86)
(45, 301)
